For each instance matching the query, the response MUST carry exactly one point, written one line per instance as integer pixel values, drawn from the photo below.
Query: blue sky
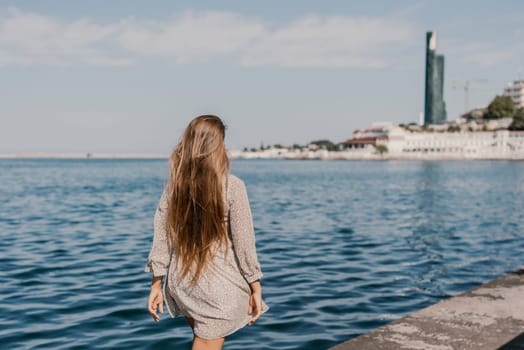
(127, 76)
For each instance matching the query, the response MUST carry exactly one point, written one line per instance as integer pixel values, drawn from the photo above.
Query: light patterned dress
(219, 301)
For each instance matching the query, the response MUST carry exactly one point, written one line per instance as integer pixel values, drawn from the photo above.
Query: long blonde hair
(196, 211)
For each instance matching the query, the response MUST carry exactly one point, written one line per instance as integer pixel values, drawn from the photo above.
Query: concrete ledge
(485, 318)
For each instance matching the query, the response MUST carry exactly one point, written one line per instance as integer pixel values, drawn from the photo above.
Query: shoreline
(83, 156)
(331, 157)
(388, 158)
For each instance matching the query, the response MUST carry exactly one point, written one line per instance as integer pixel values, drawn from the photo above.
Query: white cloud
(311, 41)
(481, 53)
(488, 58)
(192, 36)
(28, 38)
(330, 42)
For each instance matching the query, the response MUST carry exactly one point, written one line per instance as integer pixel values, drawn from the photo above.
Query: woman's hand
(255, 301)
(156, 300)
(255, 306)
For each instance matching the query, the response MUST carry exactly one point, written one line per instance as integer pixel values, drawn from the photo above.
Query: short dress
(219, 300)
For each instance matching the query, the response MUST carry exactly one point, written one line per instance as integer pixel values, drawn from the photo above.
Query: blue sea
(345, 247)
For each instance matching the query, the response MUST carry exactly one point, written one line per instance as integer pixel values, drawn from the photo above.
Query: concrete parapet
(485, 318)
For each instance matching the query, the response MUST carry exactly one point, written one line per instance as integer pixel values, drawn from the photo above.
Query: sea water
(345, 247)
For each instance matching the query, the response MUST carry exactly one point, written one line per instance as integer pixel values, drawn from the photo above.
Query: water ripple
(345, 247)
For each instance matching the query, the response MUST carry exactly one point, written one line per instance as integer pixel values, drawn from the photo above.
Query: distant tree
(501, 107)
(326, 144)
(253, 150)
(278, 146)
(468, 116)
(245, 149)
(296, 146)
(381, 149)
(475, 114)
(518, 120)
(453, 128)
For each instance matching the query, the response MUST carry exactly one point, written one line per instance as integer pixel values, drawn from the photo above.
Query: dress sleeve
(159, 255)
(242, 232)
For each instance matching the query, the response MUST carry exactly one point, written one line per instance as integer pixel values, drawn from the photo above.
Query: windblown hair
(196, 213)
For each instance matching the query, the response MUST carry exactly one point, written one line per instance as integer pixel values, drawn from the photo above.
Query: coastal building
(500, 144)
(366, 139)
(434, 106)
(402, 143)
(363, 143)
(462, 139)
(467, 141)
(515, 90)
(395, 142)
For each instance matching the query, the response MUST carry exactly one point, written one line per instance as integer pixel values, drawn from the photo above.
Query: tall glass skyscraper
(434, 107)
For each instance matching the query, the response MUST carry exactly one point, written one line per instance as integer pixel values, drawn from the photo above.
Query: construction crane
(467, 85)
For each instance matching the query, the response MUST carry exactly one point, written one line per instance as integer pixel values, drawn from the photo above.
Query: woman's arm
(243, 233)
(156, 299)
(156, 282)
(159, 254)
(243, 239)
(159, 258)
(255, 301)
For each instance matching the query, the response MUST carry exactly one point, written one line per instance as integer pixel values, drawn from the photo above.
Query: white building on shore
(500, 144)
(515, 90)
(402, 143)
(384, 140)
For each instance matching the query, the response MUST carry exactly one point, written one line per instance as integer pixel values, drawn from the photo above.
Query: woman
(203, 241)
